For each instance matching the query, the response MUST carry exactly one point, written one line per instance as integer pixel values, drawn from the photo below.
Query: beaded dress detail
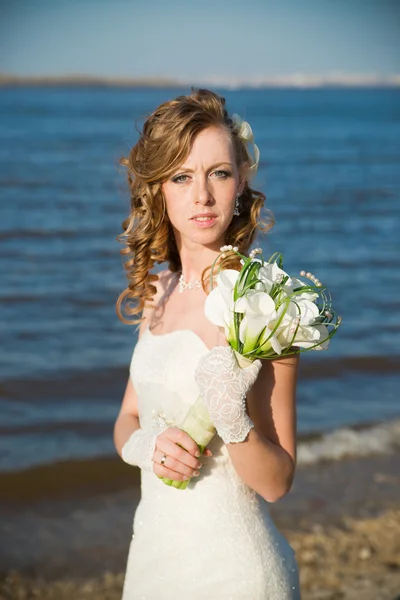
(216, 539)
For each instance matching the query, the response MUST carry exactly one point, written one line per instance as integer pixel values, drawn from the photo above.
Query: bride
(189, 177)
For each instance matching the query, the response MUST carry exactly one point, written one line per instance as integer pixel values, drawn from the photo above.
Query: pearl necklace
(188, 285)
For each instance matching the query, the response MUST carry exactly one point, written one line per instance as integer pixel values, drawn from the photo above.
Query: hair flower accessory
(245, 133)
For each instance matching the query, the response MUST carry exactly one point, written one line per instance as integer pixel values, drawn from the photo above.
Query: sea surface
(330, 167)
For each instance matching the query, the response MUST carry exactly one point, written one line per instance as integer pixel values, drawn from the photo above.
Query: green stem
(199, 426)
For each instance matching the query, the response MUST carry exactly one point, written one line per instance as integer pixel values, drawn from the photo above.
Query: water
(330, 167)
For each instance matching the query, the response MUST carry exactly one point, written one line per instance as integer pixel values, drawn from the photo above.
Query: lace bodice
(163, 375)
(215, 539)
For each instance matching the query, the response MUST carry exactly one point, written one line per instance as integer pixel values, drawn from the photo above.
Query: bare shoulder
(165, 283)
(164, 286)
(166, 279)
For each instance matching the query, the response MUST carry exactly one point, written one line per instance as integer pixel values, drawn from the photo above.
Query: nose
(203, 193)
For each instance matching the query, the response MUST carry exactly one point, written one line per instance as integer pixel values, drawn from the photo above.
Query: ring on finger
(163, 459)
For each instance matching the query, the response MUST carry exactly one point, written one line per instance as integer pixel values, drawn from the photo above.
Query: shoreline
(291, 81)
(342, 518)
(82, 476)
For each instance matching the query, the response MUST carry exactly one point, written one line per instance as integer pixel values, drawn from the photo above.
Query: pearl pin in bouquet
(265, 314)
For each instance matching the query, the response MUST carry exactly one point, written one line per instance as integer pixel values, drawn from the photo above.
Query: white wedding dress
(215, 540)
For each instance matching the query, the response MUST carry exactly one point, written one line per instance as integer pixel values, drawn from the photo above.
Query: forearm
(125, 425)
(264, 466)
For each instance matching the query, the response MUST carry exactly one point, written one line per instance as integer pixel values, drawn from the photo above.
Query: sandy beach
(361, 559)
(342, 518)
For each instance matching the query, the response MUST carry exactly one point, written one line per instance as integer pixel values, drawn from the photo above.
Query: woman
(189, 178)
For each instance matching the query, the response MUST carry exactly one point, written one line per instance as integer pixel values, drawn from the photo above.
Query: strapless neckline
(176, 332)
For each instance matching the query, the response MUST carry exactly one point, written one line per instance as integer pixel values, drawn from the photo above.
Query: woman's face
(200, 195)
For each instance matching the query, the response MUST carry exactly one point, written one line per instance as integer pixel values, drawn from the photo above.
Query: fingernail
(197, 454)
(199, 465)
(185, 477)
(196, 473)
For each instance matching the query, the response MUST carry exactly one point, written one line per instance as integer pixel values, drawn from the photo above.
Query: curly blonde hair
(164, 144)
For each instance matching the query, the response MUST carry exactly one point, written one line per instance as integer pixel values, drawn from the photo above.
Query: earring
(236, 210)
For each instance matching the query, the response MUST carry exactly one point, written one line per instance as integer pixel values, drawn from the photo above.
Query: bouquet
(264, 314)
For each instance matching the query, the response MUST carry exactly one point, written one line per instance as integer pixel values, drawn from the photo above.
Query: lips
(204, 220)
(204, 216)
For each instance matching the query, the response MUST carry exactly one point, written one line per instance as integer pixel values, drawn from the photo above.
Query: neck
(195, 260)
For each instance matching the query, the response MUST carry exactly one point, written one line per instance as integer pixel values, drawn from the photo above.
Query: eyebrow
(187, 170)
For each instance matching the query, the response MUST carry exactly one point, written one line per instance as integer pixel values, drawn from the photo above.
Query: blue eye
(221, 174)
(180, 179)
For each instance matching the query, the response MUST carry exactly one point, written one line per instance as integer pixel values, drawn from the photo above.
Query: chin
(209, 235)
(209, 238)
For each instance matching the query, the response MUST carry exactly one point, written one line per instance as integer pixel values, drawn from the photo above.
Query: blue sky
(199, 39)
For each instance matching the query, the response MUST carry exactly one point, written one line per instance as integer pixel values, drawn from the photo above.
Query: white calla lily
(294, 283)
(306, 336)
(304, 309)
(270, 273)
(323, 338)
(216, 309)
(219, 303)
(226, 281)
(259, 310)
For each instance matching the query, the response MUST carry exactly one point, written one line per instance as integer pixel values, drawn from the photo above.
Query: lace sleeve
(139, 448)
(223, 386)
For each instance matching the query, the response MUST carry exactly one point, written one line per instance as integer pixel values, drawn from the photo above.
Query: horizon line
(295, 80)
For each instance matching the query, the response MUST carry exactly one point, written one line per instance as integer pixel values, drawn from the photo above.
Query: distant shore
(296, 80)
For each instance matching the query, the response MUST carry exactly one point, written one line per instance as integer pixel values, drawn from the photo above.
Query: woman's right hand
(182, 455)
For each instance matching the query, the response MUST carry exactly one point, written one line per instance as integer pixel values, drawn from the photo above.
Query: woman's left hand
(223, 387)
